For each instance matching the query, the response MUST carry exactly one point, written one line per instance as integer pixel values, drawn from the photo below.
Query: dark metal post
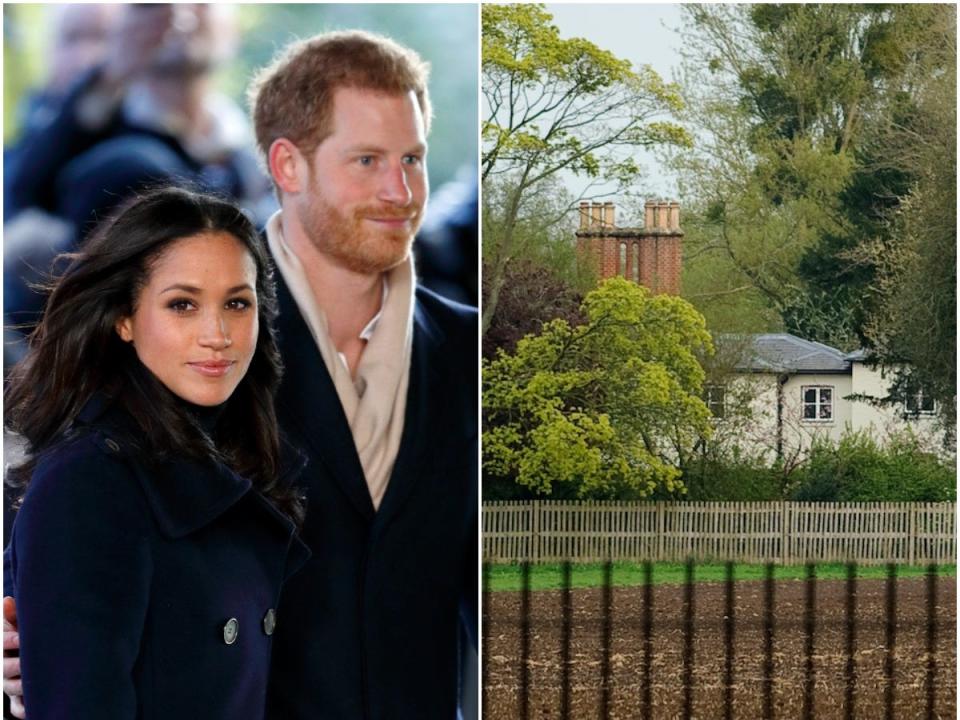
(728, 650)
(485, 634)
(566, 621)
(889, 693)
(850, 698)
(931, 641)
(607, 632)
(525, 641)
(768, 599)
(647, 628)
(809, 629)
(688, 611)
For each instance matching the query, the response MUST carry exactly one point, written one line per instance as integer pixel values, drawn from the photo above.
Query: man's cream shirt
(375, 401)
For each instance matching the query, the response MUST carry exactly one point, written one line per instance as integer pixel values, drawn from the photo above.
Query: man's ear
(124, 329)
(285, 160)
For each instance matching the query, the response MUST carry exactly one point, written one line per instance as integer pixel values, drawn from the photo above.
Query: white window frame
(711, 402)
(919, 412)
(818, 403)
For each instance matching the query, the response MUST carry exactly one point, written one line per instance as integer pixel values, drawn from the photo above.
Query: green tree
(532, 295)
(551, 105)
(788, 177)
(543, 230)
(910, 315)
(546, 279)
(599, 410)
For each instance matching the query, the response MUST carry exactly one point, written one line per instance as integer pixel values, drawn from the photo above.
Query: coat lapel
(419, 423)
(184, 495)
(310, 408)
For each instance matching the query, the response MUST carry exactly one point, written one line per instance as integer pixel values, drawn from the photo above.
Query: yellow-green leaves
(602, 409)
(556, 105)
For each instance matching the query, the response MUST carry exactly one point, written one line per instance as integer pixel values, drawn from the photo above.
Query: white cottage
(774, 393)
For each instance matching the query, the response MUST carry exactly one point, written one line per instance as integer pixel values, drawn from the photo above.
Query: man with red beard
(379, 390)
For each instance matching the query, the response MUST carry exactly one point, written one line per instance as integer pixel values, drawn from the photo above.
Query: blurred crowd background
(99, 99)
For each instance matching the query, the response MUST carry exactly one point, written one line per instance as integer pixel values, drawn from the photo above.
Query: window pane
(809, 412)
(825, 412)
(810, 395)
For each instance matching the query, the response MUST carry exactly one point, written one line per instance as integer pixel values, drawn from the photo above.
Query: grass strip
(589, 575)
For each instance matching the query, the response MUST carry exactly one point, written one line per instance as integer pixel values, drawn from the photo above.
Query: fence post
(532, 549)
(913, 535)
(784, 519)
(660, 530)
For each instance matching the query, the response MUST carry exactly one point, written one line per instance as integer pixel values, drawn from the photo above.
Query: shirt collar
(371, 326)
(291, 269)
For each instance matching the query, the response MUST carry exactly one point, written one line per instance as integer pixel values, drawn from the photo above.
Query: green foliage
(595, 410)
(555, 104)
(813, 127)
(542, 230)
(533, 295)
(25, 52)
(858, 469)
(732, 479)
(911, 322)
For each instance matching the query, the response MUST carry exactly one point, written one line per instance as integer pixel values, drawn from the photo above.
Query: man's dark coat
(369, 626)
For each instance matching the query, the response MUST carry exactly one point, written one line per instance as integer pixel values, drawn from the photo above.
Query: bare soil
(502, 638)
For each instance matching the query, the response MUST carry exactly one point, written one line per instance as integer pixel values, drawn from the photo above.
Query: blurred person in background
(141, 113)
(79, 35)
(146, 113)
(78, 39)
(447, 244)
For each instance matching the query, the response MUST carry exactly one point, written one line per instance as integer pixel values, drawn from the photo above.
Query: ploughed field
(502, 636)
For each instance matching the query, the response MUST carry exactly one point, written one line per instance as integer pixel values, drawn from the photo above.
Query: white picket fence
(751, 532)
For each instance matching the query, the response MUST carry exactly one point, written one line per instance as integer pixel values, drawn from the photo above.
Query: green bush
(858, 469)
(736, 479)
(855, 469)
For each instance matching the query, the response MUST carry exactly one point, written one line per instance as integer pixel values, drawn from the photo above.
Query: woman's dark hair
(75, 352)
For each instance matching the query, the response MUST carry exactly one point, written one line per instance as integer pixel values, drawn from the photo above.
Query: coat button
(270, 621)
(230, 631)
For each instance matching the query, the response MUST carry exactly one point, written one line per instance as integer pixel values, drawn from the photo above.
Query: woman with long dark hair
(158, 519)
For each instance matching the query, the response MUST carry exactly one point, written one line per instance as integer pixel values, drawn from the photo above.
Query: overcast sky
(642, 34)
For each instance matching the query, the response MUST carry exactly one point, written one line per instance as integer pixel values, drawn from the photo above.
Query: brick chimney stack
(649, 256)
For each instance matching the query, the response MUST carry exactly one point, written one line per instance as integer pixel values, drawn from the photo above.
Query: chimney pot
(608, 214)
(648, 214)
(596, 215)
(663, 214)
(584, 214)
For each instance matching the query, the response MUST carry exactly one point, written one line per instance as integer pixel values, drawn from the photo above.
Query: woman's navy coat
(130, 582)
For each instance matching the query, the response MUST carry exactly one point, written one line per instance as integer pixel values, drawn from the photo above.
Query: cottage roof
(782, 352)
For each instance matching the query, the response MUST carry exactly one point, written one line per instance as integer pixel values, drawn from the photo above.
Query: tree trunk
(502, 259)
